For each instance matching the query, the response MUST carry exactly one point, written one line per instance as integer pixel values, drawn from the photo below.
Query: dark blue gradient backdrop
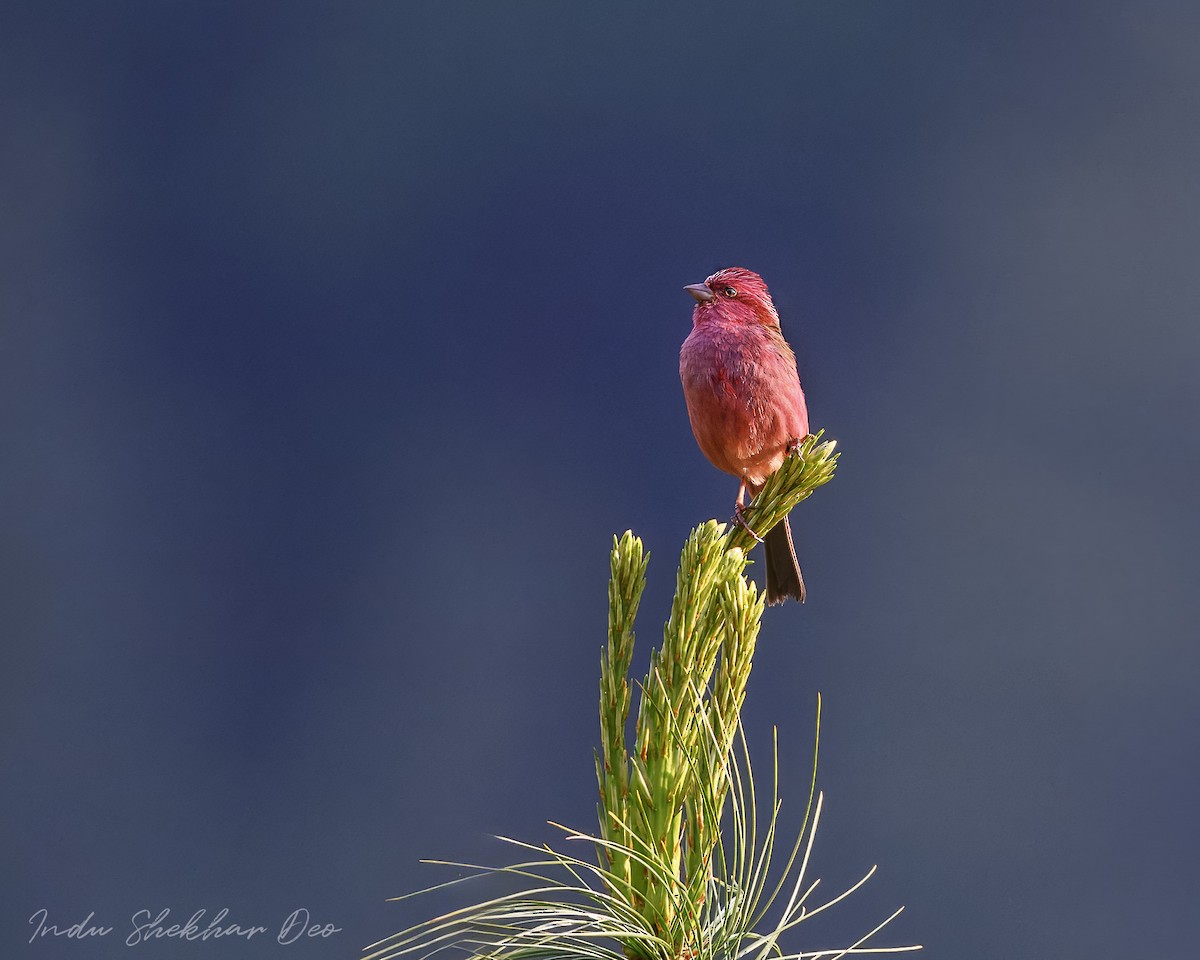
(339, 339)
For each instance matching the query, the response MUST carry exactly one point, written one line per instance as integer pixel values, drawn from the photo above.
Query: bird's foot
(739, 517)
(792, 446)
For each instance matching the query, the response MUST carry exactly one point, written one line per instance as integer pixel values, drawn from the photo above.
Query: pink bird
(744, 400)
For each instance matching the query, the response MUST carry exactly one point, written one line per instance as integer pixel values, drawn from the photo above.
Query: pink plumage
(744, 398)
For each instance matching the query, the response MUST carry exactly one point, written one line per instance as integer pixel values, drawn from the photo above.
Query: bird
(745, 402)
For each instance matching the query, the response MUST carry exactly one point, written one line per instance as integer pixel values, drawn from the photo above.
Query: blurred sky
(337, 341)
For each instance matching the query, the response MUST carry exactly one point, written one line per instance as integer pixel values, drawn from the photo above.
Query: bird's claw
(739, 517)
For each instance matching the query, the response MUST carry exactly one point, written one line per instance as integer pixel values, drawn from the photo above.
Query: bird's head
(734, 293)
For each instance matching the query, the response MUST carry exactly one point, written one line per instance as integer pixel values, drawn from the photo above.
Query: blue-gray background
(339, 339)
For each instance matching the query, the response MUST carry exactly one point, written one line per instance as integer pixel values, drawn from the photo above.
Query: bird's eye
(729, 292)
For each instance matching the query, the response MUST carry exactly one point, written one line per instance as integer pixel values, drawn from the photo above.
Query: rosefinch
(744, 400)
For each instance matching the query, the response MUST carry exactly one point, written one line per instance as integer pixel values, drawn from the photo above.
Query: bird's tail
(783, 569)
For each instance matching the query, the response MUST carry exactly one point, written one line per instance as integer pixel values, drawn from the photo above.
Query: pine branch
(664, 801)
(810, 465)
(684, 850)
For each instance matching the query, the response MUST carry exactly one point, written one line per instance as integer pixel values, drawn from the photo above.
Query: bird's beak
(700, 291)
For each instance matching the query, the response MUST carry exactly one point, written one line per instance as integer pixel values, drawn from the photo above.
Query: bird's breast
(743, 397)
